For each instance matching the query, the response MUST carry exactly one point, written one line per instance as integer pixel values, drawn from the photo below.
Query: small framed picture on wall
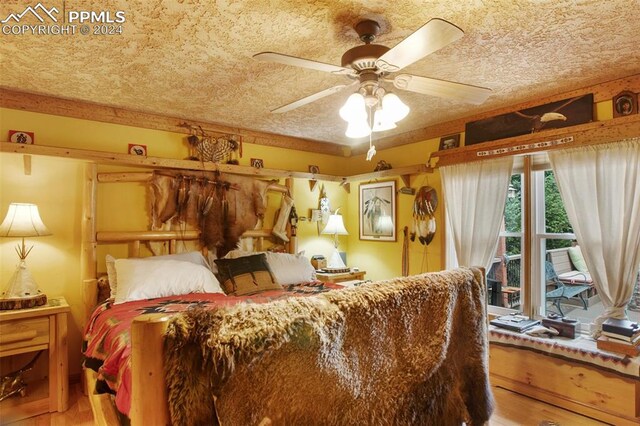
(449, 142)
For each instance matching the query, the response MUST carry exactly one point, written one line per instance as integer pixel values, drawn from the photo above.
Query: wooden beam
(124, 177)
(601, 92)
(157, 162)
(583, 135)
(128, 236)
(24, 101)
(409, 170)
(406, 180)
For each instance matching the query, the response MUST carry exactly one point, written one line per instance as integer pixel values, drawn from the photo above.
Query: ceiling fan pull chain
(372, 149)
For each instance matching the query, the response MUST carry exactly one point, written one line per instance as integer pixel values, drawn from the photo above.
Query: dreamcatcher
(424, 221)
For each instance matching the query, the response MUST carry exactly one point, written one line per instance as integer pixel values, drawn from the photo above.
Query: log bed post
(88, 263)
(148, 387)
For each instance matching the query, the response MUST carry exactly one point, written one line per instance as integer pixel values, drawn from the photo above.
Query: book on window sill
(618, 347)
(518, 323)
(633, 340)
(622, 327)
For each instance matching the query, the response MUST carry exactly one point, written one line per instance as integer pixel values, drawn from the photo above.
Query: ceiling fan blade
(300, 62)
(432, 36)
(310, 98)
(442, 88)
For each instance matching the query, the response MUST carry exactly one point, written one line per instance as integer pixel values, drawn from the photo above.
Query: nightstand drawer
(24, 333)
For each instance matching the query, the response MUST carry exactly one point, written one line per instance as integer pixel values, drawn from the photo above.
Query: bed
(410, 350)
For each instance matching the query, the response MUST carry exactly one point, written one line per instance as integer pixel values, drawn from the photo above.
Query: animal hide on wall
(222, 206)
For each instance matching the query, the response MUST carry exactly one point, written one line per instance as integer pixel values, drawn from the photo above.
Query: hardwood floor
(512, 409)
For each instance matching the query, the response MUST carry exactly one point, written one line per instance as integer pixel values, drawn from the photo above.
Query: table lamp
(22, 220)
(335, 226)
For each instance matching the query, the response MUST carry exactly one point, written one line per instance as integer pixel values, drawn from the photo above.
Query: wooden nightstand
(340, 277)
(31, 330)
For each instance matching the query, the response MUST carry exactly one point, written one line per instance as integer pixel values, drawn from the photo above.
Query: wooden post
(88, 263)
(293, 240)
(88, 246)
(148, 387)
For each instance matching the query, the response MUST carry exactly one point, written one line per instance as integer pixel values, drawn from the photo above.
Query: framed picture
(624, 103)
(377, 211)
(258, 163)
(449, 142)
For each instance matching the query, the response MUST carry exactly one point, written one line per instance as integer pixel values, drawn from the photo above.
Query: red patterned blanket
(107, 334)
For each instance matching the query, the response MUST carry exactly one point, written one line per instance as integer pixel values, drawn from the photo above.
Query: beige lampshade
(335, 225)
(23, 220)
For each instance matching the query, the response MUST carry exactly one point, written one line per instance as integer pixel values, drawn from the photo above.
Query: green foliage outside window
(556, 220)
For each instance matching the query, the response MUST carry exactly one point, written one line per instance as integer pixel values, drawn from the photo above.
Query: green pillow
(575, 254)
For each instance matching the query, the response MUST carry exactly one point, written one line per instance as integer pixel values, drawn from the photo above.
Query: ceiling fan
(370, 64)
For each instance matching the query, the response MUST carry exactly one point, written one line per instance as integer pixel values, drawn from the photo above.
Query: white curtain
(475, 194)
(600, 188)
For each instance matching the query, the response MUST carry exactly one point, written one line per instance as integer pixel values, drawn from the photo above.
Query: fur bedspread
(404, 351)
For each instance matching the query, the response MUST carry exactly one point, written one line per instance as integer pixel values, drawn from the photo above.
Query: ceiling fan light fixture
(394, 107)
(354, 109)
(382, 121)
(358, 129)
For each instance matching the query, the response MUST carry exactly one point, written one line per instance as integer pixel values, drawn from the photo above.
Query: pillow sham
(194, 257)
(291, 268)
(575, 254)
(287, 268)
(246, 275)
(140, 279)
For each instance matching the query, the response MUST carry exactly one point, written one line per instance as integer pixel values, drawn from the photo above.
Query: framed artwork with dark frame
(449, 142)
(625, 103)
(377, 211)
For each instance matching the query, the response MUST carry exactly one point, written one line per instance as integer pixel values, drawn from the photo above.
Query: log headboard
(170, 241)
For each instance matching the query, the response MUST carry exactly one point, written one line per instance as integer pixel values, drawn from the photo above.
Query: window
(558, 284)
(504, 276)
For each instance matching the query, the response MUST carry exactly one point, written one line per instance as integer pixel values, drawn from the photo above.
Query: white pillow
(148, 278)
(194, 257)
(290, 268)
(236, 253)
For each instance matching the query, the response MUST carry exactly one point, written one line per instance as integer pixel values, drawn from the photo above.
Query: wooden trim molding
(581, 135)
(601, 92)
(108, 114)
(157, 162)
(24, 101)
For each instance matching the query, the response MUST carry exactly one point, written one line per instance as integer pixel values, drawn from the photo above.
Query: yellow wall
(383, 260)
(55, 185)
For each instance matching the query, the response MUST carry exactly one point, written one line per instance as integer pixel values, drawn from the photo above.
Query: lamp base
(23, 302)
(335, 261)
(22, 291)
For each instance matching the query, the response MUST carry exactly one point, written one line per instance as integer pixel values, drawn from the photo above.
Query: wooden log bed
(456, 326)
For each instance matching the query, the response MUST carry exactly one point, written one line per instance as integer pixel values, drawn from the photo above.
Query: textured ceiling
(193, 59)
